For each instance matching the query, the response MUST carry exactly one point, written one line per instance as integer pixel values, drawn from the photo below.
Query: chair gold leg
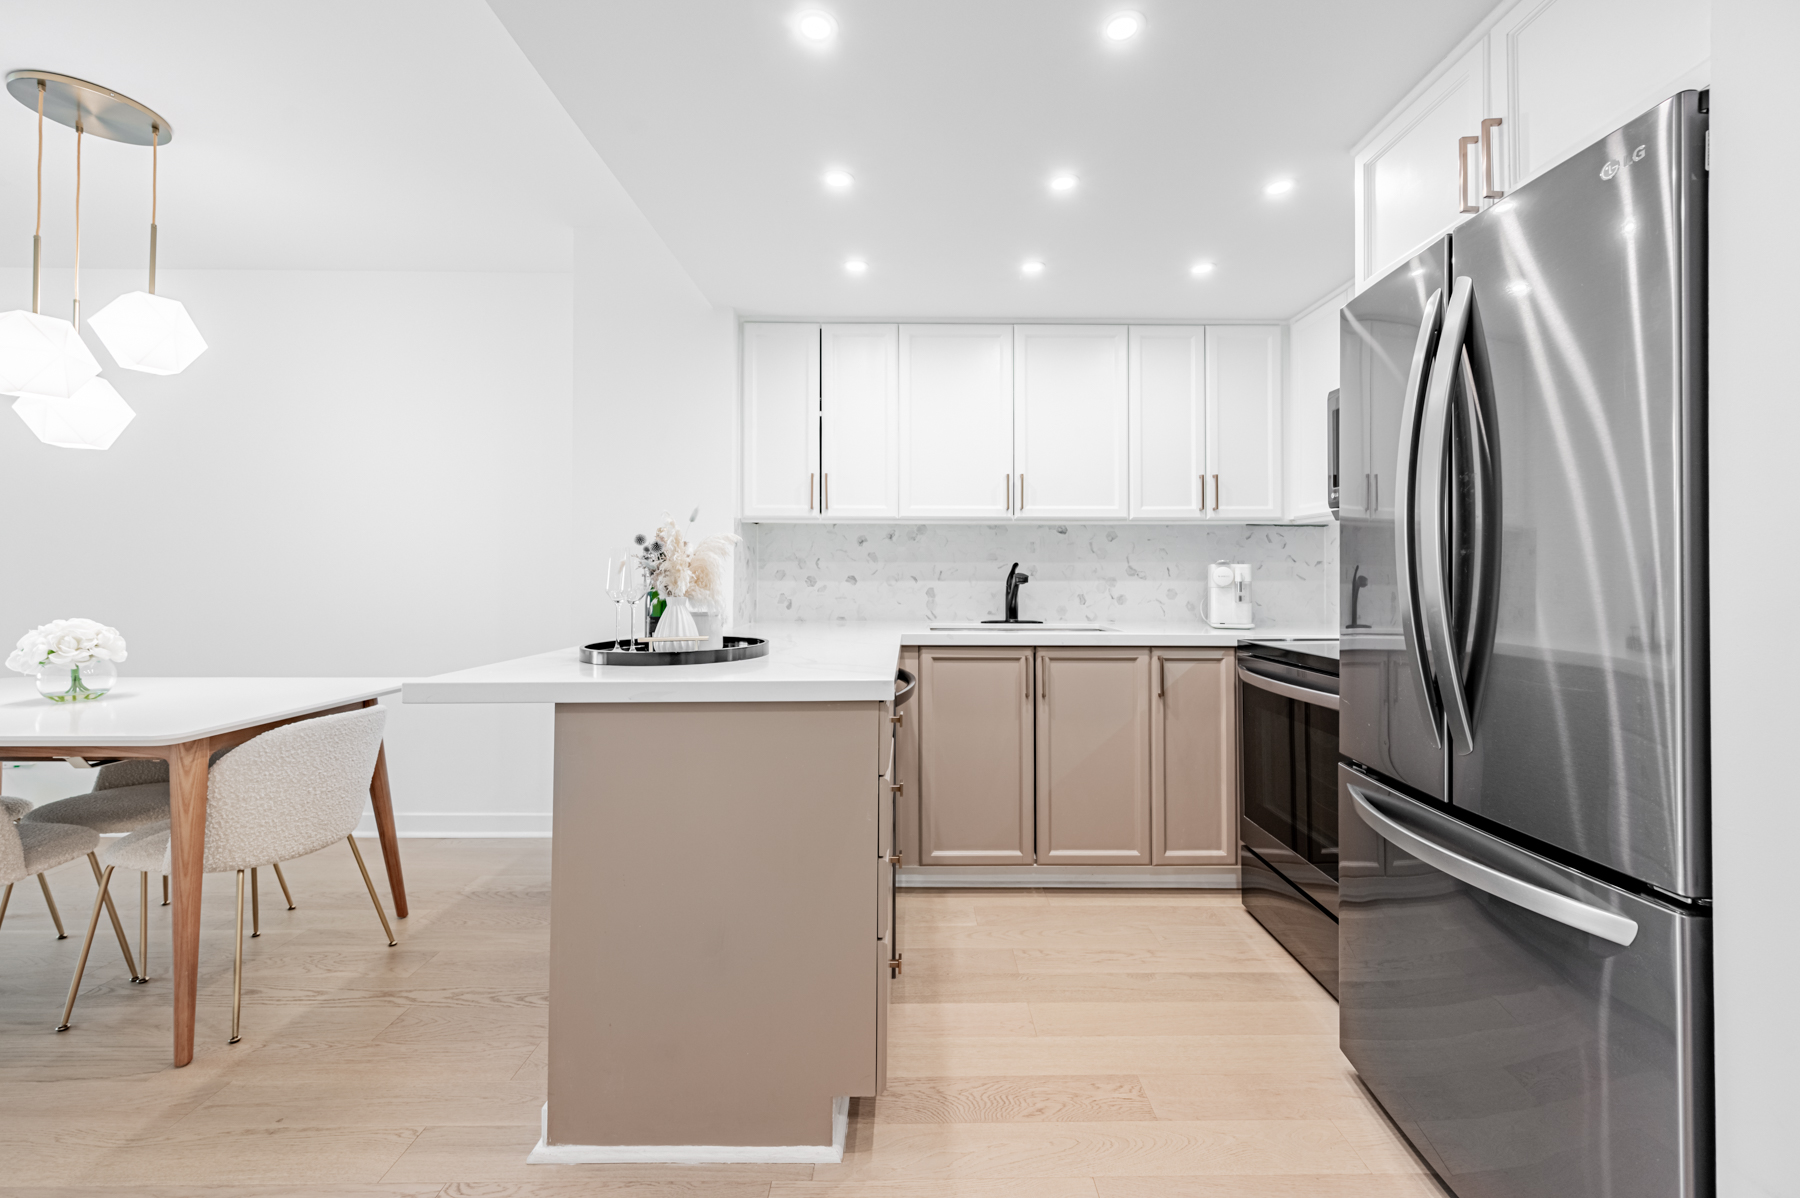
(276, 866)
(165, 890)
(144, 926)
(237, 964)
(373, 897)
(87, 943)
(4, 900)
(255, 907)
(50, 902)
(118, 928)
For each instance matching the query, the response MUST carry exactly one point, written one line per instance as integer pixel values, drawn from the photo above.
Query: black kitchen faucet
(1014, 580)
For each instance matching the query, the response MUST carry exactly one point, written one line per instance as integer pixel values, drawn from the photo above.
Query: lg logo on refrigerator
(1613, 164)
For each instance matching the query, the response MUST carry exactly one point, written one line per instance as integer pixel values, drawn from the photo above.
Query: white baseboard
(456, 824)
(547, 1153)
(1085, 877)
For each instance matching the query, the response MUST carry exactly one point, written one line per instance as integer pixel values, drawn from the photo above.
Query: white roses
(66, 642)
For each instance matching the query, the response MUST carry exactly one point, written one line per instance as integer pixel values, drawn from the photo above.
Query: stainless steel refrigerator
(1524, 861)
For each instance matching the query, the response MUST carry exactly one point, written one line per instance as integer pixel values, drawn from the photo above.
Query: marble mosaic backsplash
(1138, 573)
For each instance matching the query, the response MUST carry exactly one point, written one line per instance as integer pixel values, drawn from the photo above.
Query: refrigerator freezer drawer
(1521, 1047)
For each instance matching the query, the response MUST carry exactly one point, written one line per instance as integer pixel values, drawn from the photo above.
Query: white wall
(1755, 427)
(366, 474)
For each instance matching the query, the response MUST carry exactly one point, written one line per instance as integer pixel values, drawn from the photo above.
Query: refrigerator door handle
(1431, 495)
(1405, 525)
(1597, 921)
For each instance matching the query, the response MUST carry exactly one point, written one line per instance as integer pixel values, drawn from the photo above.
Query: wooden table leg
(382, 800)
(187, 862)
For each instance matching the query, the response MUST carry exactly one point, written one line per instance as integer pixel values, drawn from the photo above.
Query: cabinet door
(1243, 420)
(859, 422)
(975, 737)
(1168, 423)
(1093, 756)
(956, 422)
(1313, 353)
(1070, 422)
(1193, 757)
(781, 420)
(1568, 72)
(1406, 174)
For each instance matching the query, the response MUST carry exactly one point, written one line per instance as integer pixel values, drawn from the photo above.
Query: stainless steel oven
(1288, 796)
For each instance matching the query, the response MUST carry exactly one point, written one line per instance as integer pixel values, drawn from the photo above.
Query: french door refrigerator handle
(1608, 925)
(1430, 496)
(1405, 563)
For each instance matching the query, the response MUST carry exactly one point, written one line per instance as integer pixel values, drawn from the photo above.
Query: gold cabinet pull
(1489, 191)
(894, 860)
(1462, 174)
(1215, 492)
(1008, 484)
(1021, 490)
(898, 717)
(898, 788)
(1203, 492)
(894, 966)
(810, 479)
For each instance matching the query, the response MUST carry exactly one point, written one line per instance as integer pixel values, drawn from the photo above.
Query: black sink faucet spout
(1014, 580)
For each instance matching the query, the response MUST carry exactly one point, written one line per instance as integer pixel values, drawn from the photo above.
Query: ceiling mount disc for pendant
(101, 111)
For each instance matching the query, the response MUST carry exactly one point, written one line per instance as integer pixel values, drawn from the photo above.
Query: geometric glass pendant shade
(92, 418)
(43, 355)
(146, 332)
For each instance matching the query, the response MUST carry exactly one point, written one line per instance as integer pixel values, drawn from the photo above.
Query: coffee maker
(1228, 595)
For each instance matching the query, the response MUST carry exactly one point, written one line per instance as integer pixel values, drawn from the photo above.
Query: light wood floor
(1046, 1044)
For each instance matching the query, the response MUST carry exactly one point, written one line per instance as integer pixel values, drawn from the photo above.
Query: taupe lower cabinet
(1093, 757)
(975, 756)
(1069, 756)
(1193, 757)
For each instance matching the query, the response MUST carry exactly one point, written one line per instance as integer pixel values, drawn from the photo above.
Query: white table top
(168, 711)
(806, 662)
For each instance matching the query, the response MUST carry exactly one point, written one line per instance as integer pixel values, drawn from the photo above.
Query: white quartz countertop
(806, 662)
(170, 711)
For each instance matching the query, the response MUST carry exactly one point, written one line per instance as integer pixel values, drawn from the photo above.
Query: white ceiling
(320, 134)
(415, 134)
(952, 115)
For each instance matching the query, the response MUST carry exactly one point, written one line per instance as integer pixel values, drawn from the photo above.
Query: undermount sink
(1022, 628)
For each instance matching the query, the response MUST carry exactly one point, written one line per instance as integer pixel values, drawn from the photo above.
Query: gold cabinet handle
(1021, 490)
(1462, 174)
(825, 491)
(1162, 670)
(1203, 492)
(894, 860)
(898, 717)
(1009, 490)
(810, 479)
(898, 788)
(894, 966)
(1489, 192)
(1215, 492)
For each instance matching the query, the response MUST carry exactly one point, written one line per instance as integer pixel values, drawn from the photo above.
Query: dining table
(184, 721)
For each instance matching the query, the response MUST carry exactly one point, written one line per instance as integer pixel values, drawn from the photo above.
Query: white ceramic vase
(677, 620)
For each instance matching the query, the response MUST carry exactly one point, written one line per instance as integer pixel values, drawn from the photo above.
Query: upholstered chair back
(12, 854)
(291, 791)
(133, 771)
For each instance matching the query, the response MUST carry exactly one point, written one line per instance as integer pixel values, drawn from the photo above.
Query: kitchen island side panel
(712, 913)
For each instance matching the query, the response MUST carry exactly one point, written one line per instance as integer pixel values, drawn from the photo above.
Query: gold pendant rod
(77, 303)
(155, 133)
(37, 232)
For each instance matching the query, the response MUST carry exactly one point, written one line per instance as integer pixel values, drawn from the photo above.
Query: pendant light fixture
(41, 354)
(60, 396)
(141, 329)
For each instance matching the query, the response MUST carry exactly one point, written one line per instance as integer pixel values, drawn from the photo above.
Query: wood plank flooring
(1050, 1044)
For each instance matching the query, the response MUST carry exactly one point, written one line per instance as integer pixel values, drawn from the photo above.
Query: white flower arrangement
(679, 570)
(65, 643)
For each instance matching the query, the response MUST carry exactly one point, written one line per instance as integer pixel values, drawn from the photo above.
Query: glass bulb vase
(76, 682)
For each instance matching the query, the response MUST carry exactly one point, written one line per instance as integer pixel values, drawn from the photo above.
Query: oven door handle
(1288, 690)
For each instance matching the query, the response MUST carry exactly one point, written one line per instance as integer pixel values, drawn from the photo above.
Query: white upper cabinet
(781, 420)
(1168, 422)
(956, 422)
(1243, 422)
(1312, 375)
(1070, 426)
(1567, 72)
(1406, 173)
(1536, 82)
(859, 410)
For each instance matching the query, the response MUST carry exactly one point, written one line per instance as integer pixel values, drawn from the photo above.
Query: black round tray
(608, 653)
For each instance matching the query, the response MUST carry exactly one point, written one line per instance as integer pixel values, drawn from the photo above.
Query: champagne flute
(615, 590)
(637, 585)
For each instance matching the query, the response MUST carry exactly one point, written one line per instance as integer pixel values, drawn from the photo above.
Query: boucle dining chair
(12, 811)
(291, 791)
(126, 796)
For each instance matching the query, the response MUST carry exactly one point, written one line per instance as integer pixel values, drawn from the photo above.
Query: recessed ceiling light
(1063, 182)
(1031, 269)
(1123, 26)
(815, 27)
(1279, 187)
(856, 266)
(1200, 269)
(839, 180)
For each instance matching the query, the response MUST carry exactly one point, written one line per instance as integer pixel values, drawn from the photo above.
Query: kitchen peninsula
(722, 869)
